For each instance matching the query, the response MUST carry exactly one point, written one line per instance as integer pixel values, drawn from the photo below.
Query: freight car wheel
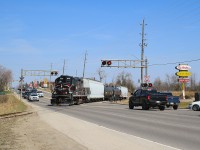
(53, 102)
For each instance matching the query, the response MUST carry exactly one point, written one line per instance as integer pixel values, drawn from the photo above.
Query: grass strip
(9, 104)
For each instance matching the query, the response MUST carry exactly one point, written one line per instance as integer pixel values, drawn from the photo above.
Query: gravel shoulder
(28, 132)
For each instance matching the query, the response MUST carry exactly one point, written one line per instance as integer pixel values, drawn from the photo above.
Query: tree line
(169, 83)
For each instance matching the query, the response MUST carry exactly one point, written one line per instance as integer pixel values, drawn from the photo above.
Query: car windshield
(33, 94)
(39, 91)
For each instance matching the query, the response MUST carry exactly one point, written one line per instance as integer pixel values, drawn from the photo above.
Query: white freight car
(124, 92)
(95, 90)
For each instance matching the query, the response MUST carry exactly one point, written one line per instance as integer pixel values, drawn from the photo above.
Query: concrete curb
(15, 115)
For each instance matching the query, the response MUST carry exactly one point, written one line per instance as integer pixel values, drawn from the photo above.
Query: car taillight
(148, 97)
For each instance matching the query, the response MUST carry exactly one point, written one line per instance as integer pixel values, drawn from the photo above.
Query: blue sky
(36, 34)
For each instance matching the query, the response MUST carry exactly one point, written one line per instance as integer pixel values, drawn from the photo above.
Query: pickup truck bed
(147, 98)
(172, 100)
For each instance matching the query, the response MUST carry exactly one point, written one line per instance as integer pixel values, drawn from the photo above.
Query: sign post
(183, 75)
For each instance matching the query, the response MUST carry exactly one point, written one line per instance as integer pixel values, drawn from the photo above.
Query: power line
(172, 63)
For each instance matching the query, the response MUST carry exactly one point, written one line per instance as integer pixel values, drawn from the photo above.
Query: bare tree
(125, 79)
(5, 78)
(101, 74)
(193, 86)
(158, 83)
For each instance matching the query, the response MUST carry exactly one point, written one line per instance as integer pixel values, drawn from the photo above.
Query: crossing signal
(103, 62)
(54, 73)
(146, 84)
(106, 62)
(150, 85)
(109, 63)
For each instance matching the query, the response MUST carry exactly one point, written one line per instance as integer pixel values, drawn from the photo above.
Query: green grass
(9, 104)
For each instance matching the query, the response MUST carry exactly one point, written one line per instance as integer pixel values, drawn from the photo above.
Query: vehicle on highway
(112, 93)
(40, 93)
(195, 105)
(74, 90)
(26, 94)
(147, 98)
(173, 101)
(124, 92)
(33, 97)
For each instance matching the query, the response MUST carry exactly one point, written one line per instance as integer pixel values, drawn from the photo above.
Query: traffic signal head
(146, 84)
(103, 62)
(106, 62)
(109, 63)
(150, 85)
(54, 73)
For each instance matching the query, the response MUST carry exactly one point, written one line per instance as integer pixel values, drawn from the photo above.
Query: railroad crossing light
(150, 85)
(54, 73)
(103, 62)
(109, 63)
(144, 84)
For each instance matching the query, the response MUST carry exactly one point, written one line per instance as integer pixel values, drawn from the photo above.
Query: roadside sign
(183, 67)
(183, 74)
(147, 79)
(183, 80)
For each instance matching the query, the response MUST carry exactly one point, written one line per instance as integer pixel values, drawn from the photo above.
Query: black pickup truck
(147, 98)
(173, 101)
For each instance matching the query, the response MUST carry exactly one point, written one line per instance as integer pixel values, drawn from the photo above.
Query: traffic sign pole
(183, 88)
(183, 75)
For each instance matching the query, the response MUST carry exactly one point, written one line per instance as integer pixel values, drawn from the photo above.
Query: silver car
(195, 105)
(33, 97)
(40, 94)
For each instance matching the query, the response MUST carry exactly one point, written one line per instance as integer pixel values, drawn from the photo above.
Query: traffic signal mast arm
(122, 63)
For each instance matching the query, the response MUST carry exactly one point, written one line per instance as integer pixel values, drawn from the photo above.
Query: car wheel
(195, 107)
(145, 106)
(162, 108)
(175, 107)
(130, 105)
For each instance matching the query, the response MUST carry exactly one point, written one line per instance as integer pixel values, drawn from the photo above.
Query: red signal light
(148, 97)
(109, 63)
(150, 85)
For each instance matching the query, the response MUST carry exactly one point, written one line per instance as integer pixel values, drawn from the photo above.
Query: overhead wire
(172, 63)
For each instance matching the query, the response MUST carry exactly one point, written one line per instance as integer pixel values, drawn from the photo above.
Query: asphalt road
(177, 128)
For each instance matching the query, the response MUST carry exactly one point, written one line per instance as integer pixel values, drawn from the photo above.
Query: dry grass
(10, 104)
(188, 94)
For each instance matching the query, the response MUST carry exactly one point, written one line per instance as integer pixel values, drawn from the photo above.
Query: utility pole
(142, 51)
(64, 67)
(146, 67)
(50, 78)
(84, 64)
(21, 82)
